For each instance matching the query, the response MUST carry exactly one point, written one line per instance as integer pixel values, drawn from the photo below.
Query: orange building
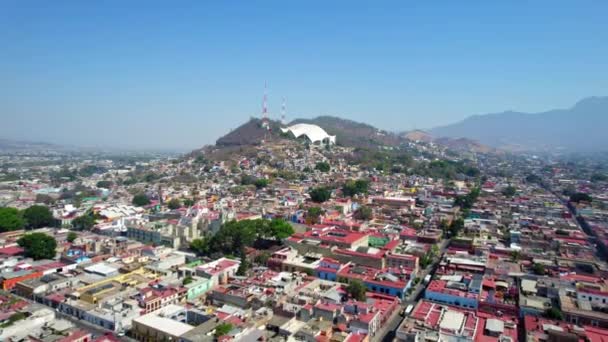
(11, 279)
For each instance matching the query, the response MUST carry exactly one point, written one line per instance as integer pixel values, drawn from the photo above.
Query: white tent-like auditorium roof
(314, 133)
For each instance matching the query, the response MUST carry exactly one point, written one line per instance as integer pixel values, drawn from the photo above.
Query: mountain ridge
(552, 129)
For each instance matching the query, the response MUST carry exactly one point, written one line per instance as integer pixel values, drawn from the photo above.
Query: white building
(313, 133)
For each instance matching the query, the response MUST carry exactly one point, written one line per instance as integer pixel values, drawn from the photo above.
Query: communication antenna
(283, 121)
(265, 104)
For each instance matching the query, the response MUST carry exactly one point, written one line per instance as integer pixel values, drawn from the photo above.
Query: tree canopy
(38, 216)
(364, 213)
(599, 177)
(247, 180)
(72, 236)
(261, 183)
(580, 197)
(174, 203)
(538, 269)
(313, 214)
(38, 246)
(509, 191)
(355, 187)
(222, 329)
(532, 178)
(446, 169)
(106, 184)
(356, 289)
(140, 200)
(243, 266)
(456, 226)
(84, 222)
(467, 201)
(322, 166)
(11, 219)
(320, 194)
(234, 236)
(554, 313)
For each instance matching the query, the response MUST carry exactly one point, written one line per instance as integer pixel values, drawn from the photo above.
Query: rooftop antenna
(283, 122)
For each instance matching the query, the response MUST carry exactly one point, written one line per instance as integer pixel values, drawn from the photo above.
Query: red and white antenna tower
(283, 122)
(265, 122)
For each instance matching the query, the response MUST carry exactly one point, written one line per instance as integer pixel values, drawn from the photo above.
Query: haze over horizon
(149, 75)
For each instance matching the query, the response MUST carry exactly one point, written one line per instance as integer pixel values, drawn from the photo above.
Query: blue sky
(178, 74)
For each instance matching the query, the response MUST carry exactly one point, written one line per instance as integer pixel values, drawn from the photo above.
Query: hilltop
(348, 133)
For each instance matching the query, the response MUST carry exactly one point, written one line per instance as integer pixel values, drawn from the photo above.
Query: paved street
(387, 334)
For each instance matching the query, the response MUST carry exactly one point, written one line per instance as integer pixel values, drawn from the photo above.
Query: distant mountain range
(10, 145)
(580, 128)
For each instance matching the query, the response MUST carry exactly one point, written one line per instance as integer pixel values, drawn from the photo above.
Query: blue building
(328, 269)
(463, 293)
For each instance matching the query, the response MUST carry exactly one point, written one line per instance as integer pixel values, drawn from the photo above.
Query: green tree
(187, 280)
(599, 177)
(38, 246)
(83, 222)
(243, 266)
(262, 258)
(456, 226)
(355, 187)
(515, 256)
(188, 202)
(314, 214)
(426, 260)
(320, 194)
(222, 329)
(434, 250)
(200, 246)
(280, 229)
(237, 235)
(72, 237)
(174, 203)
(444, 226)
(532, 178)
(140, 200)
(237, 190)
(363, 213)
(356, 289)
(200, 160)
(538, 269)
(261, 183)
(322, 166)
(151, 177)
(247, 180)
(554, 313)
(580, 197)
(467, 201)
(509, 191)
(38, 216)
(105, 184)
(11, 219)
